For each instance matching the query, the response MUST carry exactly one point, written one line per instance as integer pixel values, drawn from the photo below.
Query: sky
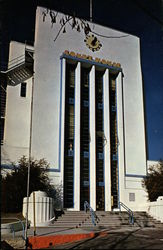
(143, 18)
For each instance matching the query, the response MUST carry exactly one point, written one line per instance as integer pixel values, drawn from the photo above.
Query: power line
(108, 36)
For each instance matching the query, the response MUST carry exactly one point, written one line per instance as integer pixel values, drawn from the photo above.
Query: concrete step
(74, 212)
(105, 219)
(74, 217)
(66, 224)
(69, 222)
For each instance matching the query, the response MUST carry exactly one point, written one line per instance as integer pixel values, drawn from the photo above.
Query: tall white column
(120, 125)
(77, 139)
(92, 132)
(107, 164)
(62, 119)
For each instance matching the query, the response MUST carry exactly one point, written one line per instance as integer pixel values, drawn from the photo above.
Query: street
(142, 238)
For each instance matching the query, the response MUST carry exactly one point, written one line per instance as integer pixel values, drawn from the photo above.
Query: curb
(38, 242)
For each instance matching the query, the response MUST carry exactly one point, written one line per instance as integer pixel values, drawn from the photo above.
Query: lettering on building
(90, 58)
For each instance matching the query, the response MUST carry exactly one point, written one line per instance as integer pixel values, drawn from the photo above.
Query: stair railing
(93, 214)
(130, 212)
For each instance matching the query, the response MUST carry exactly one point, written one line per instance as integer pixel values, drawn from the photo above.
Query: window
(23, 89)
(86, 103)
(3, 106)
(114, 157)
(70, 152)
(86, 154)
(85, 183)
(71, 100)
(113, 108)
(2, 129)
(101, 184)
(69, 136)
(100, 106)
(100, 156)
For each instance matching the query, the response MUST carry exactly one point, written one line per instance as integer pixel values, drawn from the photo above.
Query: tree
(153, 183)
(14, 184)
(77, 24)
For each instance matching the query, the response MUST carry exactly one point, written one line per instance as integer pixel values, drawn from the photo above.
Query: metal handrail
(93, 214)
(130, 212)
(13, 231)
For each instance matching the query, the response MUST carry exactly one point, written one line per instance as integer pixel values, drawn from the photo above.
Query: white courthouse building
(87, 115)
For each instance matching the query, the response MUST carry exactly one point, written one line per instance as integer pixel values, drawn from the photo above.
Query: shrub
(153, 183)
(14, 184)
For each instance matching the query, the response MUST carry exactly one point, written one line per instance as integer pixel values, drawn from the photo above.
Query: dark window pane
(23, 89)
(2, 129)
(69, 136)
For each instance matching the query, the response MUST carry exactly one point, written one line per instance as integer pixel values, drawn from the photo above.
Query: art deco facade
(87, 115)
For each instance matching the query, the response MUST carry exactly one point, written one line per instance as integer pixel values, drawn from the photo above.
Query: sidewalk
(79, 238)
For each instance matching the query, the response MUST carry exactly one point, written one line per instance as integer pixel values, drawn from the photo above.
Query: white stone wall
(155, 208)
(17, 118)
(133, 187)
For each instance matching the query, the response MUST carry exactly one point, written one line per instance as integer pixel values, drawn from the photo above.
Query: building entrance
(69, 147)
(100, 200)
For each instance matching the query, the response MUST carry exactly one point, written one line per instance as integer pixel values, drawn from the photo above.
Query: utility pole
(91, 11)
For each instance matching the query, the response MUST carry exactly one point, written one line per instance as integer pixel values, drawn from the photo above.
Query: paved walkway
(146, 238)
(92, 238)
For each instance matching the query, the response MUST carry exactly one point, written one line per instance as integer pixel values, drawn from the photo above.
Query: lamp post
(29, 165)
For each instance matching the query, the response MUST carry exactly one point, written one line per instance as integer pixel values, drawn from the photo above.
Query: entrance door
(100, 202)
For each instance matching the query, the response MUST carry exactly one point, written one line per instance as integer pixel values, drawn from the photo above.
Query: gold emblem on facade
(92, 42)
